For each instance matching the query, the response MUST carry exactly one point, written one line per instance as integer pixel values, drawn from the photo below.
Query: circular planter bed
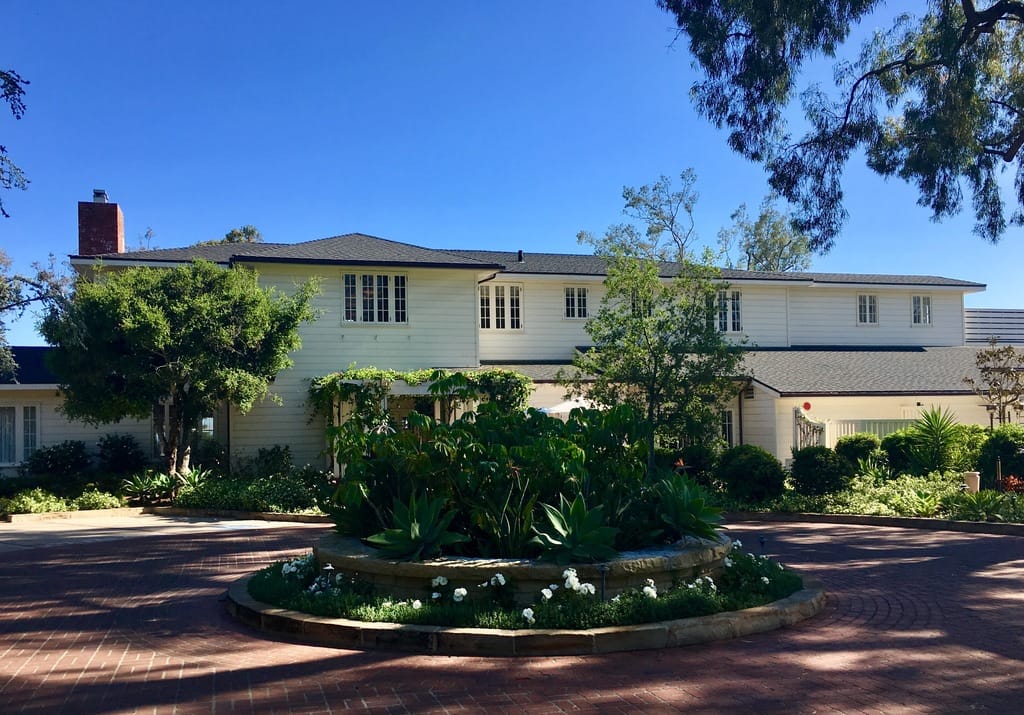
(679, 562)
(344, 633)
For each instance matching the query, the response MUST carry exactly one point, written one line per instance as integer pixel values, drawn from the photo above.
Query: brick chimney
(100, 226)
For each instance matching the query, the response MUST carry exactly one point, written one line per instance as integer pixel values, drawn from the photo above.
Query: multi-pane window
(867, 310)
(729, 314)
(29, 430)
(575, 302)
(501, 307)
(727, 432)
(921, 309)
(375, 298)
(19, 432)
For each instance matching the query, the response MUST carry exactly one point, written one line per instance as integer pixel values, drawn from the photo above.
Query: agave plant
(574, 533)
(685, 510)
(419, 530)
(986, 505)
(148, 487)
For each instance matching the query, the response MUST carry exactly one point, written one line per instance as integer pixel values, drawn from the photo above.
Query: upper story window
(501, 307)
(729, 318)
(375, 298)
(867, 310)
(921, 310)
(575, 302)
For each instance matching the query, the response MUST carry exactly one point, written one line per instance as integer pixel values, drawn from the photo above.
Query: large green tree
(766, 243)
(12, 91)
(655, 344)
(936, 99)
(243, 234)
(131, 341)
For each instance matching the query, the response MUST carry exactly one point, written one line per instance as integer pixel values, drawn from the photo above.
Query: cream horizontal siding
(758, 419)
(441, 332)
(54, 427)
(763, 315)
(546, 334)
(823, 316)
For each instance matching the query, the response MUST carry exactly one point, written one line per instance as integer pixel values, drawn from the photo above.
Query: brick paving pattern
(916, 622)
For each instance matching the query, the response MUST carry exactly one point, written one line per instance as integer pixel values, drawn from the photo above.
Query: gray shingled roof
(591, 265)
(32, 369)
(361, 249)
(870, 371)
(350, 249)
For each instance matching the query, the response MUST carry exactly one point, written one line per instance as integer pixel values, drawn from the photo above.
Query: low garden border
(360, 635)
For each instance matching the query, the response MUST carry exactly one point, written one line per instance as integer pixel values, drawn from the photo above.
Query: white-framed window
(375, 298)
(501, 306)
(727, 427)
(867, 309)
(576, 302)
(921, 310)
(19, 432)
(729, 313)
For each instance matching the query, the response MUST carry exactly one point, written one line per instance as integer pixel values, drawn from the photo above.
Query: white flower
(439, 581)
(737, 544)
(528, 615)
(650, 591)
(553, 586)
(546, 593)
(497, 580)
(435, 595)
(417, 604)
(572, 581)
(459, 594)
(649, 582)
(711, 584)
(693, 584)
(764, 580)
(616, 598)
(727, 563)
(386, 604)
(568, 572)
(482, 585)
(587, 589)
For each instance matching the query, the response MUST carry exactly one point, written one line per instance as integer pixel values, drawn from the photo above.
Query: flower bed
(679, 562)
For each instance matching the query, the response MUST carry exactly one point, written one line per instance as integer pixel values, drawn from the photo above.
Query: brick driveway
(124, 619)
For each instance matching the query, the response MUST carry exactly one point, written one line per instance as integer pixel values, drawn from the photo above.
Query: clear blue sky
(460, 124)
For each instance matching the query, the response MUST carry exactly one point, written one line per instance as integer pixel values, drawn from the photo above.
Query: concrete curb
(901, 522)
(231, 514)
(360, 635)
(83, 514)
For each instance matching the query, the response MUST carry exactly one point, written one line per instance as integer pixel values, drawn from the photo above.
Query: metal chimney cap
(99, 196)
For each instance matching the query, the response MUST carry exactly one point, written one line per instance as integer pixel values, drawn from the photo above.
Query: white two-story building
(831, 353)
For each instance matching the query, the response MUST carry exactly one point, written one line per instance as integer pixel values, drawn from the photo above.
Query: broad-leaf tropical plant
(684, 508)
(574, 533)
(419, 530)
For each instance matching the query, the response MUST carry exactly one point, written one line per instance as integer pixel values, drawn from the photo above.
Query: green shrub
(95, 499)
(986, 505)
(285, 492)
(1007, 443)
(751, 474)
(268, 461)
(969, 441)
(67, 459)
(210, 455)
(35, 501)
(120, 454)
(819, 470)
(220, 494)
(898, 447)
(856, 447)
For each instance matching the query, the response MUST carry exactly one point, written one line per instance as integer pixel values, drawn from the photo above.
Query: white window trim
(733, 300)
(576, 293)
(931, 314)
(506, 316)
(871, 298)
(730, 438)
(392, 299)
(19, 429)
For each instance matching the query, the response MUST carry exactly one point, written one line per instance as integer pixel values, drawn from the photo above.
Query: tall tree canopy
(133, 340)
(45, 286)
(936, 99)
(655, 346)
(242, 234)
(766, 243)
(12, 91)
